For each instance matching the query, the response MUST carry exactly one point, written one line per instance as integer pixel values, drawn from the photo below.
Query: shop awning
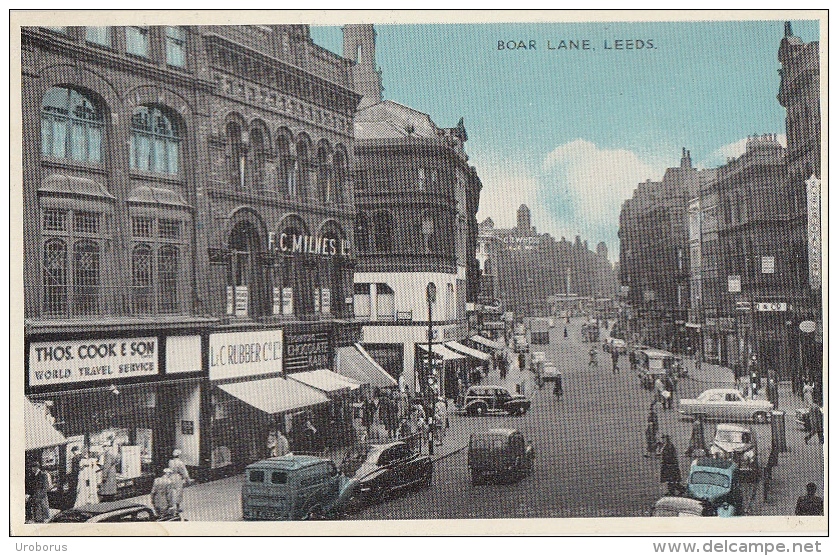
(484, 341)
(38, 429)
(476, 353)
(443, 352)
(355, 363)
(275, 395)
(326, 380)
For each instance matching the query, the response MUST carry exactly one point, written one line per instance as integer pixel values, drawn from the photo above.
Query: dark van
(290, 487)
(499, 453)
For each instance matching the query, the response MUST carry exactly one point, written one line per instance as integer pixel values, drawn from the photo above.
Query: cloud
(577, 188)
(732, 150)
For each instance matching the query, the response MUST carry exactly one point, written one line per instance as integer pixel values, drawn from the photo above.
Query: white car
(727, 404)
(551, 372)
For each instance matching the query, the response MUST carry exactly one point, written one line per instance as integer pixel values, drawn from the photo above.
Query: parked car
(551, 372)
(482, 400)
(377, 470)
(727, 404)
(290, 487)
(737, 443)
(716, 480)
(611, 344)
(653, 364)
(499, 453)
(679, 506)
(121, 511)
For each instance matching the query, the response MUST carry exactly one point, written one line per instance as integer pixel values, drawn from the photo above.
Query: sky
(571, 133)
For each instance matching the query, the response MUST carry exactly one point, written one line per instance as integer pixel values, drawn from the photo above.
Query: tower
(524, 222)
(359, 47)
(602, 250)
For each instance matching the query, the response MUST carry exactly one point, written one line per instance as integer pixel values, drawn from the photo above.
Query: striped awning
(471, 352)
(326, 380)
(484, 341)
(275, 395)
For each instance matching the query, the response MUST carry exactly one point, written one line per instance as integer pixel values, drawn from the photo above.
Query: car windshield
(737, 437)
(489, 442)
(354, 459)
(708, 478)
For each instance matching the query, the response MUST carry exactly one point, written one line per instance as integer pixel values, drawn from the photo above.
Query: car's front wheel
(760, 417)
(478, 410)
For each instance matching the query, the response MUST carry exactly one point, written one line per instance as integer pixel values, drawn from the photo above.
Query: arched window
(71, 126)
(301, 169)
(362, 232)
(383, 227)
(339, 178)
(235, 155)
(257, 157)
(55, 276)
(155, 141)
(285, 168)
(324, 176)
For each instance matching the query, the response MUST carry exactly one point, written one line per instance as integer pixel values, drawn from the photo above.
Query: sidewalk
(801, 464)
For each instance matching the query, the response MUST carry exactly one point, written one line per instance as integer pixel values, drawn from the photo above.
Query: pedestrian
(810, 503)
(754, 375)
(180, 478)
(651, 439)
(311, 435)
(502, 364)
(660, 388)
(565, 330)
(368, 413)
(162, 499)
(698, 447)
(522, 361)
(771, 389)
(669, 388)
(632, 360)
(670, 469)
(809, 393)
(698, 357)
(816, 423)
(37, 485)
(87, 490)
(73, 477)
(558, 390)
(110, 461)
(615, 356)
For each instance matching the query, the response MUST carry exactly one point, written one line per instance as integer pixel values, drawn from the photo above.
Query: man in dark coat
(73, 476)
(670, 470)
(37, 485)
(816, 424)
(810, 503)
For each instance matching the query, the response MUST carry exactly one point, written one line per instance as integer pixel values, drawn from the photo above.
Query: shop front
(477, 362)
(342, 393)
(450, 370)
(112, 399)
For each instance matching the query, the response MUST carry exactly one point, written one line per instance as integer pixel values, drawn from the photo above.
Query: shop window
(98, 35)
(155, 260)
(136, 41)
(176, 46)
(362, 301)
(71, 126)
(385, 303)
(244, 278)
(155, 141)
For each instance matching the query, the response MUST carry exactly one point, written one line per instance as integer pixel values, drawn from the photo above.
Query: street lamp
(430, 292)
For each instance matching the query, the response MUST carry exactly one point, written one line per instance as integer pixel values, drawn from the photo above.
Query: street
(589, 448)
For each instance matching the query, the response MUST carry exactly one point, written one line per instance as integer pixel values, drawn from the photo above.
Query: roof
(714, 463)
(484, 341)
(657, 353)
(288, 462)
(391, 120)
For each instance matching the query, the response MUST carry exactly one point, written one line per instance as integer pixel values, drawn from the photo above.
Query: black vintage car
(499, 453)
(122, 511)
(482, 400)
(377, 470)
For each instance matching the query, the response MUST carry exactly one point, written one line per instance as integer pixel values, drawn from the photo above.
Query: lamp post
(430, 292)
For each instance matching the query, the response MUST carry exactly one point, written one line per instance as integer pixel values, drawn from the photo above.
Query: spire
(787, 32)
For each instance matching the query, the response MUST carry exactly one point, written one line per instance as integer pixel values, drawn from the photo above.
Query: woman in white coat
(88, 487)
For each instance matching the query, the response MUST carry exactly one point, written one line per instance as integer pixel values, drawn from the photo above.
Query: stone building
(188, 242)
(417, 199)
